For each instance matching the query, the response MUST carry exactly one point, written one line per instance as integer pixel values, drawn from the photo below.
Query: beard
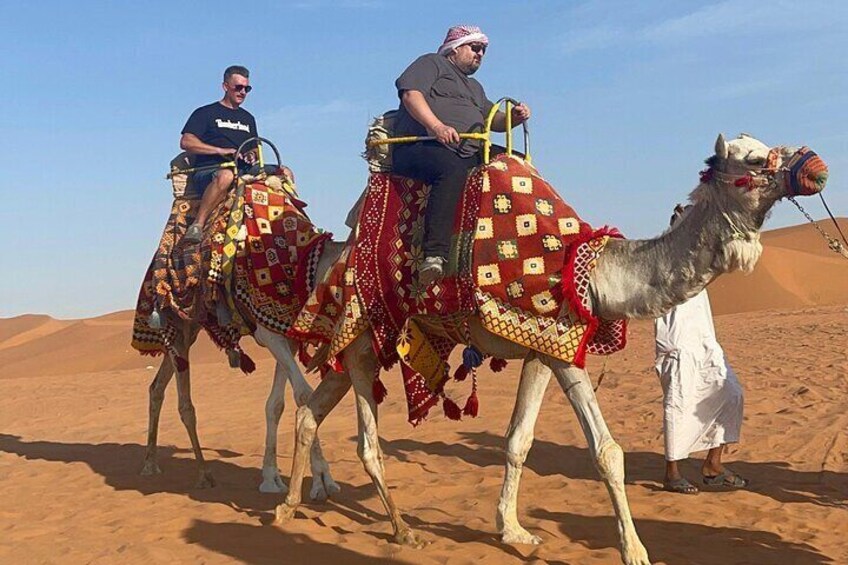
(468, 69)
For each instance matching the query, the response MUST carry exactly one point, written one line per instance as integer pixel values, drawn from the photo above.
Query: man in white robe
(702, 398)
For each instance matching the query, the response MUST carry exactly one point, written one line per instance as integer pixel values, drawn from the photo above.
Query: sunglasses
(477, 47)
(240, 87)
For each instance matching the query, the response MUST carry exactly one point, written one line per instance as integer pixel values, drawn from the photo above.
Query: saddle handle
(259, 154)
(485, 136)
(232, 164)
(487, 142)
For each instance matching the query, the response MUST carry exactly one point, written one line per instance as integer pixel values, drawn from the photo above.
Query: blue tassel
(471, 357)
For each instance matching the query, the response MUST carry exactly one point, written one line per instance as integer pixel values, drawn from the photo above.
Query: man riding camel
(439, 98)
(213, 133)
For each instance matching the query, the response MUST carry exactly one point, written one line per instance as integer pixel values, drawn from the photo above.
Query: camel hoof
(323, 487)
(205, 480)
(284, 513)
(520, 536)
(273, 484)
(635, 554)
(150, 468)
(408, 538)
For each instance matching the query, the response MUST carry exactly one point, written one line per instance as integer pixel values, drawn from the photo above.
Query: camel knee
(610, 462)
(187, 414)
(306, 425)
(157, 393)
(370, 458)
(517, 448)
(274, 407)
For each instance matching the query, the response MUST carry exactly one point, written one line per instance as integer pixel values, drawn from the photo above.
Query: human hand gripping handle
(520, 114)
(444, 134)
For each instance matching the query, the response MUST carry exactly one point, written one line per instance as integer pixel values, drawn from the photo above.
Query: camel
(286, 370)
(633, 279)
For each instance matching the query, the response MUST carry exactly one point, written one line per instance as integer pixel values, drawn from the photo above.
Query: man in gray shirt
(438, 98)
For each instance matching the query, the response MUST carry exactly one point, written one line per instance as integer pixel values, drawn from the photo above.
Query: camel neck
(646, 278)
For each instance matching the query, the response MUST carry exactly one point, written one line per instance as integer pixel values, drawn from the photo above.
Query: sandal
(680, 486)
(726, 479)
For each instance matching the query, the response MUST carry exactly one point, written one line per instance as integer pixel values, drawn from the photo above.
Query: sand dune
(73, 417)
(796, 270)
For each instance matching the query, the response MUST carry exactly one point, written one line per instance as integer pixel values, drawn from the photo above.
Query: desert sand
(73, 419)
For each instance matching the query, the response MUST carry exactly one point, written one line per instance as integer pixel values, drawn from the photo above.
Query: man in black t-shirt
(438, 98)
(213, 133)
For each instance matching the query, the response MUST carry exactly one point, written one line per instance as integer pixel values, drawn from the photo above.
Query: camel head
(753, 175)
(744, 179)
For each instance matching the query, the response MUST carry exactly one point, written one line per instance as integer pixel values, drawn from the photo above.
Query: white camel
(286, 370)
(633, 279)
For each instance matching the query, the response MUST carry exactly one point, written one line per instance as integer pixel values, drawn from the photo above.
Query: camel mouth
(806, 173)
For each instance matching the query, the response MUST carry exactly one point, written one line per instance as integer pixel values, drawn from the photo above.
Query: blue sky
(627, 100)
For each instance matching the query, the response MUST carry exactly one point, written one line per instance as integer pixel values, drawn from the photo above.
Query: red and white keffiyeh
(462, 35)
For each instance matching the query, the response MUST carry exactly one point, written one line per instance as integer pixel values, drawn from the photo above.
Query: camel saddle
(520, 261)
(254, 266)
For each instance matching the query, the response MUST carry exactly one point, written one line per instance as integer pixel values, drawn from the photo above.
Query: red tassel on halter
(181, 363)
(497, 364)
(246, 364)
(461, 373)
(451, 409)
(744, 181)
(378, 389)
(471, 405)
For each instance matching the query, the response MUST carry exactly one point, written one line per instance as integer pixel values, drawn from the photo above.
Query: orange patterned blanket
(256, 264)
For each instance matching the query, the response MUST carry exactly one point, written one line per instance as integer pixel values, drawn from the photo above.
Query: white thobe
(702, 398)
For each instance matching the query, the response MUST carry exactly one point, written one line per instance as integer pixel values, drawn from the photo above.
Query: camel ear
(721, 147)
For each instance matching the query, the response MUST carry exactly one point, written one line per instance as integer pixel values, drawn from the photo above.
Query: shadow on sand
(119, 464)
(682, 542)
(773, 478)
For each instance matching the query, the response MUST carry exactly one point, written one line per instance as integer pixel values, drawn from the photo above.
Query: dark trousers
(446, 173)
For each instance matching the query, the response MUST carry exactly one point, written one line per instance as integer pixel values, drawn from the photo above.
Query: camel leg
(535, 377)
(323, 485)
(362, 366)
(271, 479)
(607, 454)
(187, 412)
(157, 396)
(330, 391)
(322, 482)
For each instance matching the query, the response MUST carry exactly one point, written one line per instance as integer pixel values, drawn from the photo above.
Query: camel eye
(755, 160)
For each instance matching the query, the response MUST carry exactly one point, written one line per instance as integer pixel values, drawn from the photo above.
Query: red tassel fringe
(451, 409)
(378, 389)
(336, 364)
(461, 373)
(472, 405)
(303, 355)
(246, 364)
(497, 364)
(181, 363)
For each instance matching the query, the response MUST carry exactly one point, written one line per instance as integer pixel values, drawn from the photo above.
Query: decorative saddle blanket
(521, 260)
(255, 265)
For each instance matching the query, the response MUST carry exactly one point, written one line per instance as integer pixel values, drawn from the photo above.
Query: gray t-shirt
(457, 100)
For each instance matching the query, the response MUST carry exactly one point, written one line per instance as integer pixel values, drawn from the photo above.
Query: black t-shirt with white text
(220, 126)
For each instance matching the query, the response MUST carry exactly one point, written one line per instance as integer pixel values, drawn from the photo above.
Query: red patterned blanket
(521, 259)
(255, 265)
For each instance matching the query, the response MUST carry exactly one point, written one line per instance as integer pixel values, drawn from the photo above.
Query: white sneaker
(431, 270)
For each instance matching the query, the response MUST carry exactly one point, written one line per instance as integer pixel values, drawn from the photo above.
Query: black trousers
(446, 173)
